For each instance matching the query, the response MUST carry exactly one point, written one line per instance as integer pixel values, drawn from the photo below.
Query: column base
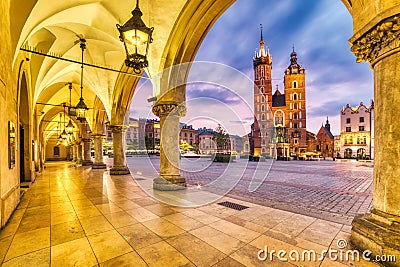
(99, 166)
(120, 170)
(87, 163)
(169, 184)
(379, 233)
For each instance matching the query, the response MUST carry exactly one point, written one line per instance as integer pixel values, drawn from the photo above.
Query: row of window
(361, 140)
(360, 129)
(361, 119)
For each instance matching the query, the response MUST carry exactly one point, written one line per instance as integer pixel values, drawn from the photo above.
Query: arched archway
(26, 144)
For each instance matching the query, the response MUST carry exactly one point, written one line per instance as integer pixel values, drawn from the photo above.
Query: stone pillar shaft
(79, 153)
(98, 152)
(379, 231)
(87, 157)
(170, 178)
(119, 166)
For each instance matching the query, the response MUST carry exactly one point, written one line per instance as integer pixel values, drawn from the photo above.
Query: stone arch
(24, 128)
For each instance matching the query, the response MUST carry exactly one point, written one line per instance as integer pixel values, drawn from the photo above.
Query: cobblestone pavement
(334, 191)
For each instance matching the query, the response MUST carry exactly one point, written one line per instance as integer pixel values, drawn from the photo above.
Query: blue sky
(319, 30)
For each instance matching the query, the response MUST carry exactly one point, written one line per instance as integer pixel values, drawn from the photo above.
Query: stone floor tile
(74, 253)
(95, 225)
(217, 239)
(109, 245)
(248, 256)
(142, 214)
(295, 225)
(64, 206)
(62, 217)
(246, 224)
(161, 209)
(4, 245)
(126, 204)
(162, 254)
(163, 228)
(65, 232)
(321, 232)
(196, 250)
(9, 229)
(120, 219)
(228, 261)
(33, 222)
(40, 258)
(131, 259)
(139, 236)
(183, 221)
(235, 230)
(27, 242)
(108, 208)
(39, 210)
(87, 212)
(201, 216)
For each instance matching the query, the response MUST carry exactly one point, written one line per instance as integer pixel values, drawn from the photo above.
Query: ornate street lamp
(136, 37)
(64, 133)
(81, 108)
(70, 126)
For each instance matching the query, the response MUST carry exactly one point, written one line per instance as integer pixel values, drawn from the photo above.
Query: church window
(262, 90)
(296, 141)
(262, 99)
(262, 81)
(279, 117)
(262, 71)
(295, 126)
(295, 116)
(263, 117)
(295, 84)
(348, 120)
(262, 108)
(294, 96)
(263, 142)
(295, 106)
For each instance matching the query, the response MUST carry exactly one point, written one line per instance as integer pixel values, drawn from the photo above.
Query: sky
(221, 92)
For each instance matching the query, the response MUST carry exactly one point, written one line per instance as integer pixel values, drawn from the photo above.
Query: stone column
(68, 152)
(87, 157)
(74, 152)
(170, 178)
(379, 231)
(98, 152)
(79, 153)
(119, 166)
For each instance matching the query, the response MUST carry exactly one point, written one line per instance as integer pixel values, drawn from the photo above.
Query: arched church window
(262, 90)
(295, 84)
(263, 117)
(295, 96)
(262, 108)
(262, 99)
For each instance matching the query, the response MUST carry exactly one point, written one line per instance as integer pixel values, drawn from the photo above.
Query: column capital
(169, 108)
(380, 41)
(118, 128)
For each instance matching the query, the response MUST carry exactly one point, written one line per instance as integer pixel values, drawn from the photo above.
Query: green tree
(221, 138)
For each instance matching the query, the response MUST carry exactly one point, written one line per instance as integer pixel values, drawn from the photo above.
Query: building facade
(278, 117)
(356, 132)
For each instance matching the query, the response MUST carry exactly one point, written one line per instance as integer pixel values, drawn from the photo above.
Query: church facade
(279, 128)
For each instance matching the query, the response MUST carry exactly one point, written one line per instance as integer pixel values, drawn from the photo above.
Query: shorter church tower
(295, 98)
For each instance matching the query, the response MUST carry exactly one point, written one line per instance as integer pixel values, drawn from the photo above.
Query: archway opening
(25, 142)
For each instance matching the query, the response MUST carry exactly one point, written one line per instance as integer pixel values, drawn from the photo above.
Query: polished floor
(76, 216)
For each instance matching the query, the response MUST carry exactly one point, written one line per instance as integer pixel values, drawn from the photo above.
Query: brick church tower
(278, 118)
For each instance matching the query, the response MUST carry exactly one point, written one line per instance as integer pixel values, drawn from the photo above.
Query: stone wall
(9, 179)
